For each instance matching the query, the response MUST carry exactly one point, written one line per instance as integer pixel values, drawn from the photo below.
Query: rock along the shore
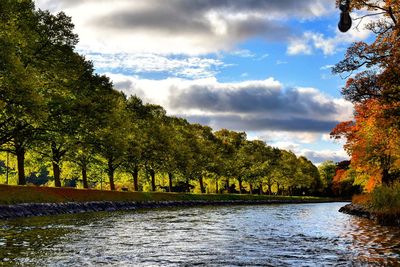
(382, 218)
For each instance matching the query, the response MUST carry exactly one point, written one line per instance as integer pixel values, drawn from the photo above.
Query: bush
(386, 198)
(362, 199)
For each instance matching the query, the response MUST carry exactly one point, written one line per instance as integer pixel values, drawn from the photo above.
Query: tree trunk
(111, 179)
(386, 177)
(240, 185)
(20, 164)
(56, 173)
(251, 188)
(170, 176)
(153, 179)
(7, 163)
(135, 175)
(201, 185)
(269, 189)
(187, 185)
(261, 189)
(216, 186)
(55, 154)
(227, 185)
(111, 170)
(84, 177)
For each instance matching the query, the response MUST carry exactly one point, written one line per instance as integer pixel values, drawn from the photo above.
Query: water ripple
(270, 235)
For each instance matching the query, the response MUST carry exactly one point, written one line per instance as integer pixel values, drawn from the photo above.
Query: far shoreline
(28, 201)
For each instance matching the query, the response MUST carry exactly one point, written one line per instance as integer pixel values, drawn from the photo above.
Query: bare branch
(370, 15)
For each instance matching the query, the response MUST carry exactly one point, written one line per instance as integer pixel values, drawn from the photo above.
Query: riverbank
(25, 201)
(384, 218)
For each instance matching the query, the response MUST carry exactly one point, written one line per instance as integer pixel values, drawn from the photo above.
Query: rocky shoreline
(46, 209)
(357, 210)
(388, 219)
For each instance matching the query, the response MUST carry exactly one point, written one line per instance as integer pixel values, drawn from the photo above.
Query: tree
(288, 172)
(21, 101)
(272, 168)
(308, 178)
(381, 58)
(90, 112)
(155, 146)
(137, 115)
(231, 142)
(327, 172)
(254, 163)
(181, 147)
(373, 135)
(204, 153)
(372, 140)
(111, 139)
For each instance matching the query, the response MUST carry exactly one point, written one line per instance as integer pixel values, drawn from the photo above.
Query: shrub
(362, 199)
(386, 198)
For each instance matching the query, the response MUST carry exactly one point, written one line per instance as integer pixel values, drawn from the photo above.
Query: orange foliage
(372, 183)
(372, 140)
(361, 199)
(340, 175)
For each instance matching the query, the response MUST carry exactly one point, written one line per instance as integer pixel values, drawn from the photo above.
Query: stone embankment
(45, 209)
(357, 210)
(383, 218)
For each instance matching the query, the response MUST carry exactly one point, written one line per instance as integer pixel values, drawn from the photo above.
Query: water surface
(275, 235)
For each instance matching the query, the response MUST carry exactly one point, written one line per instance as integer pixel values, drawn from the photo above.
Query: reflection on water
(284, 235)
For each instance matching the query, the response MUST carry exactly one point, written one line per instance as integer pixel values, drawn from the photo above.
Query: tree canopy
(372, 138)
(57, 111)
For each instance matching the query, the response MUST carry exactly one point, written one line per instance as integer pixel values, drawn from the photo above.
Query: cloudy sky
(260, 66)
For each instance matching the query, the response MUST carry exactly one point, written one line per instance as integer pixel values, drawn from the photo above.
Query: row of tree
(54, 107)
(373, 137)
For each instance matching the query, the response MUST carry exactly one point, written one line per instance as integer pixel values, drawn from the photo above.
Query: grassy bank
(383, 203)
(32, 194)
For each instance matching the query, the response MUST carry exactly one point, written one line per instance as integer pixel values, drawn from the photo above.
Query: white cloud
(181, 27)
(299, 46)
(243, 53)
(295, 142)
(252, 105)
(310, 41)
(188, 67)
(262, 57)
(292, 139)
(326, 137)
(319, 156)
(281, 62)
(327, 67)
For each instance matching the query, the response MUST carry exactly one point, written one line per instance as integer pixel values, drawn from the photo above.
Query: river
(265, 235)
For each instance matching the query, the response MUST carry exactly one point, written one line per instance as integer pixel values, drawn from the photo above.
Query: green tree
(91, 111)
(138, 119)
(231, 142)
(327, 171)
(22, 79)
(111, 139)
(155, 141)
(308, 180)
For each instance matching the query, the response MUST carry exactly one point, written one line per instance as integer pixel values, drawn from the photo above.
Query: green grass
(33, 194)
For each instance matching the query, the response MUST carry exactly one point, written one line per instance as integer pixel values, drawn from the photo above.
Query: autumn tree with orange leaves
(372, 139)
